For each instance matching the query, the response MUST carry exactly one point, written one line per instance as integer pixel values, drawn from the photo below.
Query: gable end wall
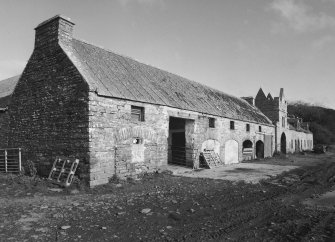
(49, 111)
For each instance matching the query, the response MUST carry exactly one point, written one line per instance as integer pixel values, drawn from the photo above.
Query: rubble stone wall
(49, 111)
(112, 133)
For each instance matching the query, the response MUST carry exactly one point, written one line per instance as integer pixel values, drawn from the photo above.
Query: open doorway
(283, 143)
(247, 150)
(259, 149)
(180, 150)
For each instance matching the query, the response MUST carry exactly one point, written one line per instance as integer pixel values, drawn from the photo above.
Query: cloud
(299, 16)
(9, 68)
(124, 3)
(323, 41)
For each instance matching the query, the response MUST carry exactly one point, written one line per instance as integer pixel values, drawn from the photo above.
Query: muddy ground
(162, 207)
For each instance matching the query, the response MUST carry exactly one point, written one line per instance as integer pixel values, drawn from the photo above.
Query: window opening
(137, 113)
(232, 125)
(211, 122)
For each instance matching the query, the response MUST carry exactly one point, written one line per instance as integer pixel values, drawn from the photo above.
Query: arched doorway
(231, 152)
(247, 144)
(247, 150)
(283, 143)
(259, 149)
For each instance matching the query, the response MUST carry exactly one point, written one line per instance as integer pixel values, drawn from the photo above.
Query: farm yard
(165, 207)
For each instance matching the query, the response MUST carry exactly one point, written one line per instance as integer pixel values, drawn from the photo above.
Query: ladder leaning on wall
(211, 158)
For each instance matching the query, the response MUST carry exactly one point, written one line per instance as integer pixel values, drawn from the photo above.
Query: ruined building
(291, 134)
(121, 117)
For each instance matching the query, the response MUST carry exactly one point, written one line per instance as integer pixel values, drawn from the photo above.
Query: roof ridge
(131, 58)
(201, 98)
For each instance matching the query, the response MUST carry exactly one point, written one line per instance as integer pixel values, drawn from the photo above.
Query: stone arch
(259, 149)
(283, 143)
(127, 133)
(231, 152)
(247, 150)
(247, 144)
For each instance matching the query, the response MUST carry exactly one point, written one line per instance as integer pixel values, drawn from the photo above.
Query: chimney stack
(250, 100)
(54, 31)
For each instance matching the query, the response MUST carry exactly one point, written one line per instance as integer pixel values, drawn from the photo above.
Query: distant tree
(322, 120)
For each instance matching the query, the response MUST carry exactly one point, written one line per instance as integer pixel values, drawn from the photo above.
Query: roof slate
(113, 75)
(6, 89)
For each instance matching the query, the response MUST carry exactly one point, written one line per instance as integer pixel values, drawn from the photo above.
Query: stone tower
(274, 108)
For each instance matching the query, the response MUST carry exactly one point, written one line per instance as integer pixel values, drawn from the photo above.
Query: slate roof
(6, 89)
(114, 75)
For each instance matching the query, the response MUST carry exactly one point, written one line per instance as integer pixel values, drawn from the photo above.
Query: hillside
(322, 120)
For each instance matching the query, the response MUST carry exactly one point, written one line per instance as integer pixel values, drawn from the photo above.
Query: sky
(235, 46)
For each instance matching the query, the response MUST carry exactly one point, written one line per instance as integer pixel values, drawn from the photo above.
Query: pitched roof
(113, 75)
(6, 89)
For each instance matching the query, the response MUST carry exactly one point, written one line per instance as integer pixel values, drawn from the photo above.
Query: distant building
(121, 117)
(291, 133)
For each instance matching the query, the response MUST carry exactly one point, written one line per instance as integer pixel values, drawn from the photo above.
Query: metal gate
(182, 156)
(10, 160)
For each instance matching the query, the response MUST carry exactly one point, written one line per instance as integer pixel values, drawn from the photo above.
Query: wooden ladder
(211, 158)
(63, 171)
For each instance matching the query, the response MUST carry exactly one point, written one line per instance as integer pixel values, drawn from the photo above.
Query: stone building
(122, 117)
(291, 134)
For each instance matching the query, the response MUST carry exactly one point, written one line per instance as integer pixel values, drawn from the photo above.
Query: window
(232, 125)
(247, 127)
(137, 113)
(211, 122)
(260, 128)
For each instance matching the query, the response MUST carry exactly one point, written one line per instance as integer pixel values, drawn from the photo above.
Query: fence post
(5, 160)
(19, 159)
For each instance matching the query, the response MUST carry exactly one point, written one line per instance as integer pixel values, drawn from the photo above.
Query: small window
(260, 128)
(137, 113)
(232, 125)
(247, 127)
(211, 122)
(137, 141)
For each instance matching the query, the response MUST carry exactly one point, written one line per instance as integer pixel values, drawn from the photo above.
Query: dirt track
(181, 209)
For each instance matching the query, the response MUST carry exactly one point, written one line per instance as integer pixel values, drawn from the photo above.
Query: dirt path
(247, 172)
(162, 207)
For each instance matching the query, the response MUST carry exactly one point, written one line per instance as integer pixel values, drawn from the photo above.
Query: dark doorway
(247, 144)
(259, 149)
(283, 143)
(296, 146)
(247, 150)
(177, 141)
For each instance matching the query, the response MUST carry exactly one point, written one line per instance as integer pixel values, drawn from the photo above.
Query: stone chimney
(250, 100)
(53, 31)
